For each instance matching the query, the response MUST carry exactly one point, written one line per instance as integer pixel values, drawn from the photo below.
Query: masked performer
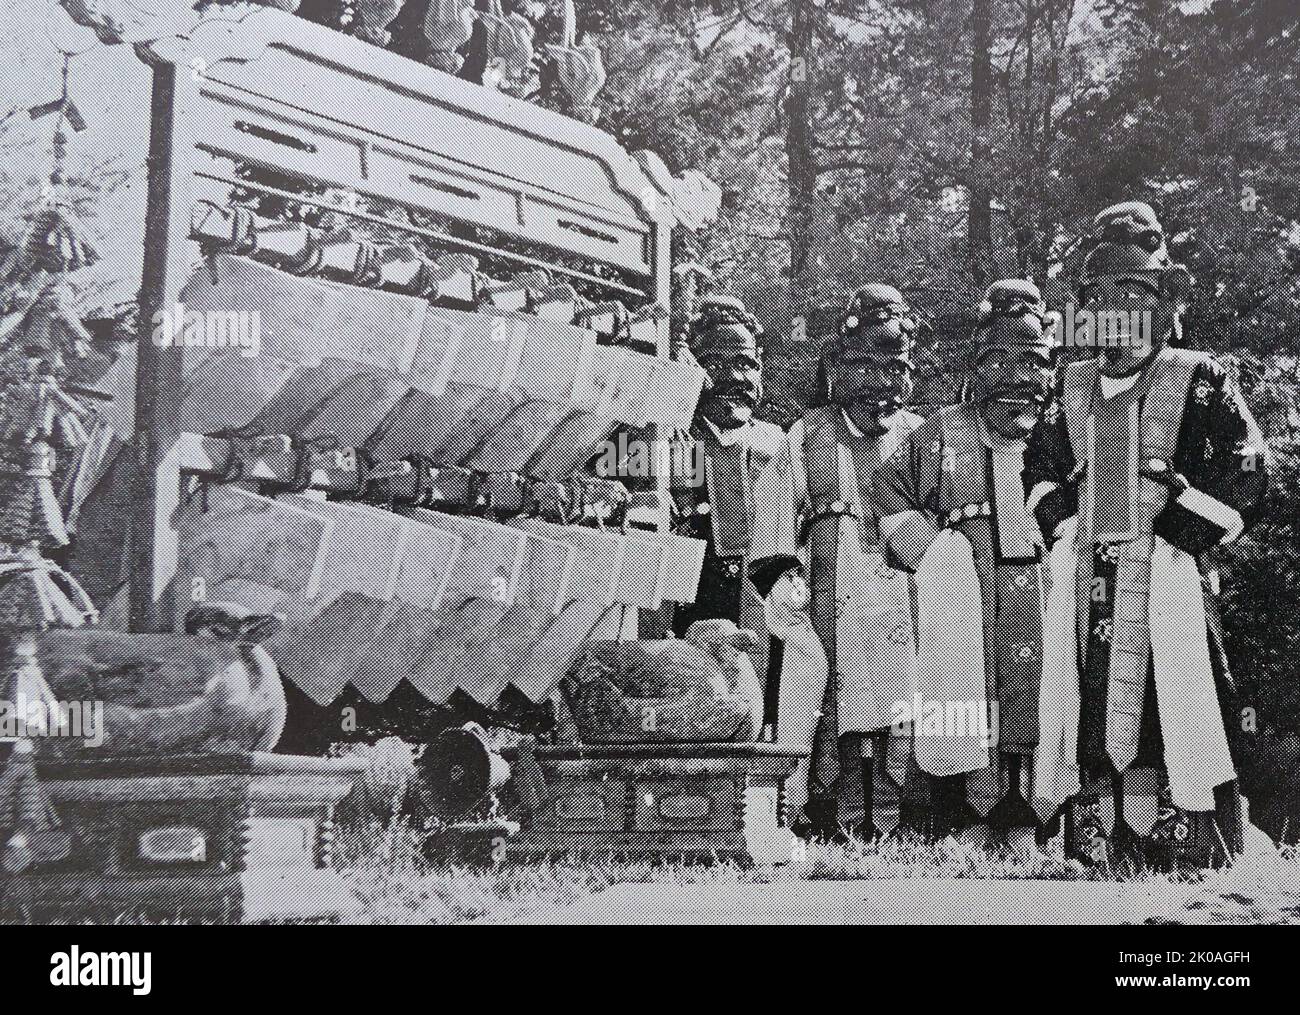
(1149, 460)
(727, 449)
(952, 508)
(712, 468)
(817, 505)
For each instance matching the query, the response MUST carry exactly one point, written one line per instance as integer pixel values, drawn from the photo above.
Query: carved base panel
(688, 801)
(228, 838)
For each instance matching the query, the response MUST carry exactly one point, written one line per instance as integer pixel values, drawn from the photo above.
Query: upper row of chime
(454, 279)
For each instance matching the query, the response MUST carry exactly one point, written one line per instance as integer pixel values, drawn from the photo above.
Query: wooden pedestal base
(230, 837)
(694, 801)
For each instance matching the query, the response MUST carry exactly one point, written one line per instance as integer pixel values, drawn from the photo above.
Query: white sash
(1195, 742)
(804, 673)
(950, 659)
(1056, 763)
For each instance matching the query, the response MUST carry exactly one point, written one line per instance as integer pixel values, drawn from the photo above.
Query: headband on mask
(1012, 300)
(1128, 243)
(723, 324)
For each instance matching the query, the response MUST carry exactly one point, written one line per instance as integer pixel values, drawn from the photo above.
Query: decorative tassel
(29, 826)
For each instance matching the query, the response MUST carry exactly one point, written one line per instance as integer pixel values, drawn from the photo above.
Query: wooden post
(658, 623)
(151, 543)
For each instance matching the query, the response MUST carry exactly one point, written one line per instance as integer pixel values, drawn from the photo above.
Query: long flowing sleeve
(1221, 452)
(905, 487)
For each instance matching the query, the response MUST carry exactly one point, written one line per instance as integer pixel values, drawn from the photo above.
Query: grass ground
(397, 885)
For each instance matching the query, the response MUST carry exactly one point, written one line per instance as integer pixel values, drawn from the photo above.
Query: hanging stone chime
(374, 17)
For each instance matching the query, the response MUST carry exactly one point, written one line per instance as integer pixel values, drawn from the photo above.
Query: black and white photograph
(665, 462)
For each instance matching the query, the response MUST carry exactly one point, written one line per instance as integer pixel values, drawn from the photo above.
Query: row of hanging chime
(454, 279)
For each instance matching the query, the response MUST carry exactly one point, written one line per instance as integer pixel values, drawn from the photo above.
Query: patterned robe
(1082, 463)
(816, 504)
(953, 473)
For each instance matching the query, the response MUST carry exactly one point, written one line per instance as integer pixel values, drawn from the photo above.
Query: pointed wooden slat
(306, 320)
(674, 393)
(303, 396)
(319, 656)
(494, 362)
(506, 563)
(488, 665)
(602, 387)
(423, 577)
(253, 538)
(230, 392)
(572, 446)
(372, 557)
(553, 654)
(462, 436)
(456, 346)
(553, 360)
(434, 672)
(641, 575)
(519, 436)
(353, 413)
(402, 432)
(550, 576)
(492, 558)
(423, 558)
(631, 374)
(683, 561)
(395, 646)
(364, 551)
(500, 351)
(600, 558)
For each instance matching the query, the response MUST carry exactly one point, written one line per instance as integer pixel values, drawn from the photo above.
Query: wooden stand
(693, 801)
(228, 838)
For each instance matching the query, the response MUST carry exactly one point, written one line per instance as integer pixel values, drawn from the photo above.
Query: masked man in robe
(712, 468)
(816, 506)
(952, 507)
(1146, 463)
(714, 500)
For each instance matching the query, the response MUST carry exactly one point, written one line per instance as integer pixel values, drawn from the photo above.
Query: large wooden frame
(273, 90)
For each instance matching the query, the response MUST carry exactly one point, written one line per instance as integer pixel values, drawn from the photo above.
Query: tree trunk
(981, 88)
(802, 178)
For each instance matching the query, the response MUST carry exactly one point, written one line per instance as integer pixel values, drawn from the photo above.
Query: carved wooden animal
(669, 690)
(211, 690)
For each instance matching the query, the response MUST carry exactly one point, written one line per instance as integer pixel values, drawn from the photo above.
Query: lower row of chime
(448, 603)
